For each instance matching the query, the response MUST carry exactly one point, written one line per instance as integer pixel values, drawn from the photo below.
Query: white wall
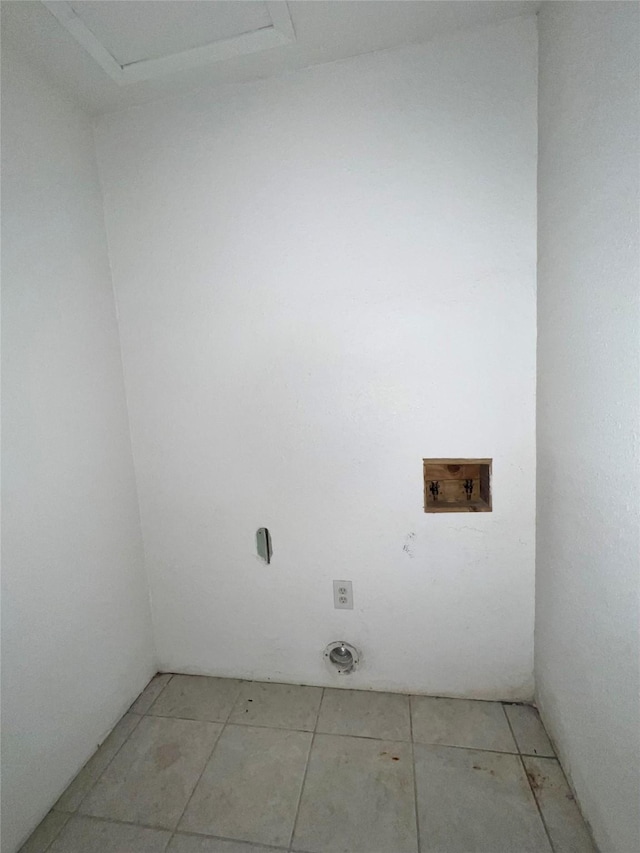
(321, 279)
(588, 583)
(76, 631)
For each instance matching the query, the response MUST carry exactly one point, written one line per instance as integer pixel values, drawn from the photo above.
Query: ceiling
(110, 54)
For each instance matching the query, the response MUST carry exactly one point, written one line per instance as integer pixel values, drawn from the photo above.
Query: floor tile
(150, 693)
(87, 835)
(251, 786)
(365, 714)
(476, 802)
(90, 773)
(196, 697)
(282, 706)
(44, 833)
(199, 844)
(358, 797)
(461, 722)
(151, 778)
(567, 829)
(528, 730)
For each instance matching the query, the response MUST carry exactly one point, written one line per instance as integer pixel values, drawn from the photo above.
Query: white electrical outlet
(343, 595)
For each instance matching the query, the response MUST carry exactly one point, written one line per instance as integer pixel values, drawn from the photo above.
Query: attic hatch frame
(280, 33)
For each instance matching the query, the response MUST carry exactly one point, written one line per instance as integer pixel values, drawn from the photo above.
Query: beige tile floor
(212, 765)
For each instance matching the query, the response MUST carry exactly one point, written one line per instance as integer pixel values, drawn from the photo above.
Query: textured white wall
(588, 581)
(76, 631)
(321, 279)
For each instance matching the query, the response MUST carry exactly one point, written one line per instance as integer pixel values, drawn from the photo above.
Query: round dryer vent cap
(342, 657)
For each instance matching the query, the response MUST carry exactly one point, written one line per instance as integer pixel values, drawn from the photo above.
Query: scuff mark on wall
(407, 547)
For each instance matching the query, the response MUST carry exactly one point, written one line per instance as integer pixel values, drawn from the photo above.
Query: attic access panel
(457, 485)
(146, 39)
(140, 30)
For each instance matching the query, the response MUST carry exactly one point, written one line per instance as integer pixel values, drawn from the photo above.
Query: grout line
(122, 822)
(171, 833)
(235, 723)
(109, 763)
(304, 779)
(341, 734)
(306, 770)
(556, 755)
(193, 790)
(170, 679)
(586, 823)
(533, 793)
(315, 728)
(77, 811)
(225, 721)
(169, 840)
(232, 705)
(259, 845)
(469, 748)
(515, 740)
(68, 815)
(511, 731)
(224, 724)
(375, 691)
(415, 783)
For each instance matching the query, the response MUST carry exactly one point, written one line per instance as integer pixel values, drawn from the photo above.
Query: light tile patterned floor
(213, 765)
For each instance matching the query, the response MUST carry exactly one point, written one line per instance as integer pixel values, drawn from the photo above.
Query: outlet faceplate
(343, 595)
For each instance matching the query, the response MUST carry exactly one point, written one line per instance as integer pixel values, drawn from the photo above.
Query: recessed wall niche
(457, 485)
